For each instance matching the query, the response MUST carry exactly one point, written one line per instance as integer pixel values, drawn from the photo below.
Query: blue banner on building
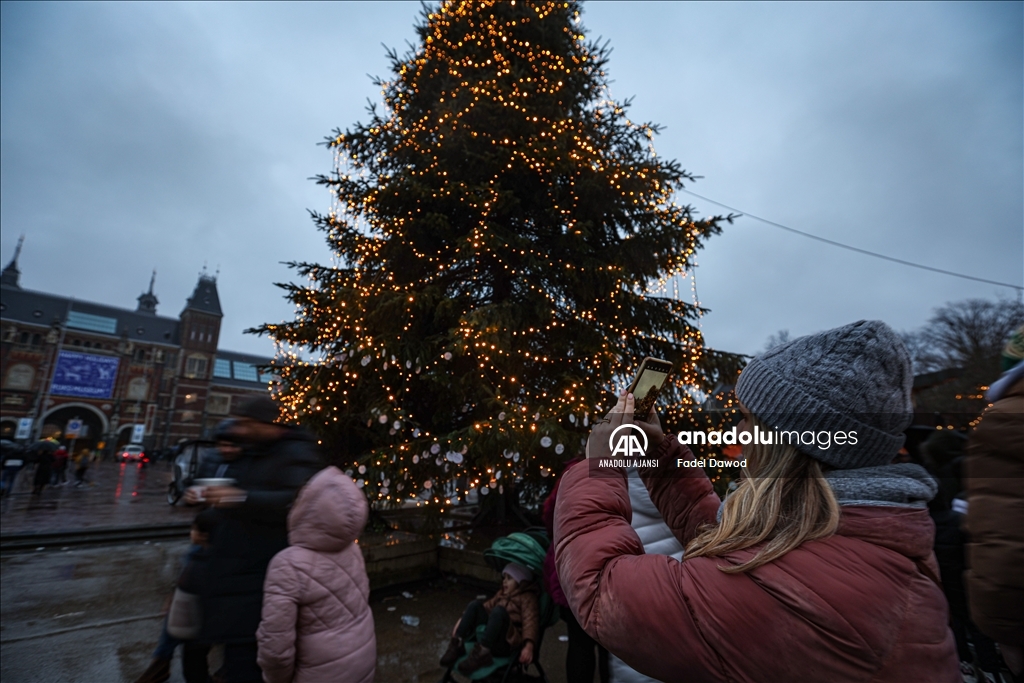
(84, 375)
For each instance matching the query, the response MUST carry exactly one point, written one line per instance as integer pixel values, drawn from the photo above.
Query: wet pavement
(93, 614)
(88, 615)
(116, 494)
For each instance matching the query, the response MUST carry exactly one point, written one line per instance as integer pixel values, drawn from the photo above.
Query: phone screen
(648, 384)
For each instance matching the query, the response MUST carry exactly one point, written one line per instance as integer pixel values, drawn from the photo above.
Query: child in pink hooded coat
(317, 624)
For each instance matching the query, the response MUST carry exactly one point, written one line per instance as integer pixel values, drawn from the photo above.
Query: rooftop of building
(42, 309)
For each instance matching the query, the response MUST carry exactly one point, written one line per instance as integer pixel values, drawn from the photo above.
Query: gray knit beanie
(853, 379)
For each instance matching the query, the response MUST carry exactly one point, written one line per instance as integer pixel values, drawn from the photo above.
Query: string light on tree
(500, 232)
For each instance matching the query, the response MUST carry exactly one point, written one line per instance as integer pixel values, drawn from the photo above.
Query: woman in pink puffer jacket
(317, 624)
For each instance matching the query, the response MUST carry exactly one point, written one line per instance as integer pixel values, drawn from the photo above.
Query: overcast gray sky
(150, 135)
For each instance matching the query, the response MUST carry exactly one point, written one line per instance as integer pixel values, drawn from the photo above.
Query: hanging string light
(501, 234)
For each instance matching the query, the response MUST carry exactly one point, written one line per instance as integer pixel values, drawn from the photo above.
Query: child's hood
(329, 512)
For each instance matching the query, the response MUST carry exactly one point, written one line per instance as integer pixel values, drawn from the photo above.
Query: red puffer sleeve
(683, 495)
(635, 605)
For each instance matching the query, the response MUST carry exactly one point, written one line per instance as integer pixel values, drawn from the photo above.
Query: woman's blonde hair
(782, 501)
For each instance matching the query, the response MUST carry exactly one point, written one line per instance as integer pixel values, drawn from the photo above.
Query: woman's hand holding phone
(622, 413)
(597, 442)
(652, 428)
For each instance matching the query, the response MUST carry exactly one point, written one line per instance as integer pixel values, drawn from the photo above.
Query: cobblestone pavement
(92, 615)
(116, 494)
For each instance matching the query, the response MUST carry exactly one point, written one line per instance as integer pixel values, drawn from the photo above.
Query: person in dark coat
(14, 457)
(994, 472)
(223, 461)
(584, 654)
(194, 655)
(277, 460)
(42, 453)
(943, 454)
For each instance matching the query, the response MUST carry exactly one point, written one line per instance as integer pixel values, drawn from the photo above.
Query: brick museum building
(105, 369)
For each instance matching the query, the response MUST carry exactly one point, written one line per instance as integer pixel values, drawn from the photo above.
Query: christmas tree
(503, 234)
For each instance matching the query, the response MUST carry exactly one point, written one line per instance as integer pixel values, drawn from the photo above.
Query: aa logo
(627, 444)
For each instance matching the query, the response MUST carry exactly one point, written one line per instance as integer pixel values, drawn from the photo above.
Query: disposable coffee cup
(215, 481)
(200, 486)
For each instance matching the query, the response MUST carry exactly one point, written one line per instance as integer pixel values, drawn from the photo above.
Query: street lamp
(124, 348)
(54, 339)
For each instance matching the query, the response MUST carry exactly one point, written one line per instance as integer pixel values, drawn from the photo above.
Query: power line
(852, 248)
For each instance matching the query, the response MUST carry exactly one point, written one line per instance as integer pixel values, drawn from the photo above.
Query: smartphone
(647, 386)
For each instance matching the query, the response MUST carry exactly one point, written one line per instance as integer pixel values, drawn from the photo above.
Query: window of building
(218, 404)
(37, 339)
(93, 323)
(140, 355)
(195, 367)
(138, 388)
(20, 376)
(222, 368)
(23, 339)
(246, 372)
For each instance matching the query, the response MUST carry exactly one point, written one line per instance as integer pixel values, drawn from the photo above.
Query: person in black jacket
(221, 462)
(943, 455)
(14, 457)
(42, 453)
(276, 461)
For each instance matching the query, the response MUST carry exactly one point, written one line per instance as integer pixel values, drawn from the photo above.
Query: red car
(132, 453)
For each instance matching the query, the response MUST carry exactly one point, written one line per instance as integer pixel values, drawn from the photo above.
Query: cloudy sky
(169, 136)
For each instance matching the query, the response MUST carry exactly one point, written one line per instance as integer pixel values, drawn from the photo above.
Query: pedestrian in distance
(821, 567)
(317, 624)
(42, 454)
(14, 459)
(511, 618)
(252, 526)
(60, 467)
(82, 460)
(994, 472)
(194, 654)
